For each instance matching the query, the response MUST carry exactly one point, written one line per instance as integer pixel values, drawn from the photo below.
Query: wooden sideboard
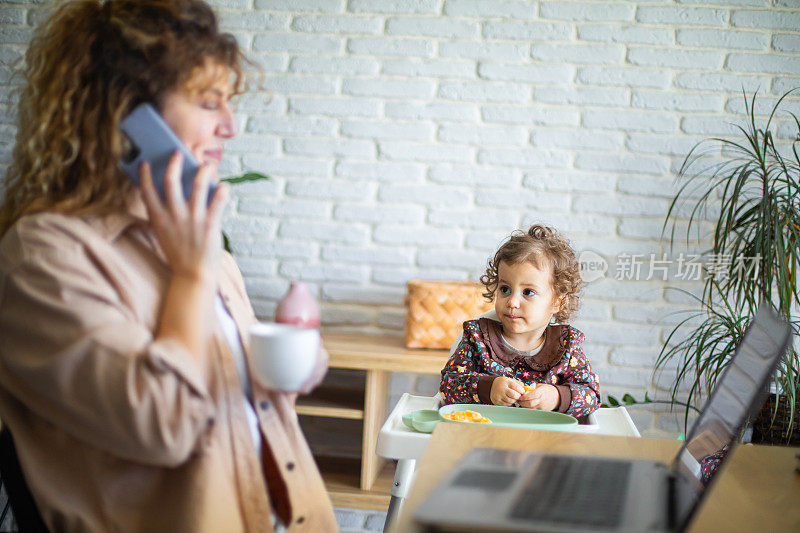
(378, 356)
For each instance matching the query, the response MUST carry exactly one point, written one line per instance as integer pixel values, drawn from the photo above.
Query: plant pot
(773, 431)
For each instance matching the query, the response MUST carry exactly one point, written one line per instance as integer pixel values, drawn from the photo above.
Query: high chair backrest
(491, 314)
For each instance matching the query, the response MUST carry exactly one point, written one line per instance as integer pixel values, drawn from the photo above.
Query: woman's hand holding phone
(190, 236)
(188, 232)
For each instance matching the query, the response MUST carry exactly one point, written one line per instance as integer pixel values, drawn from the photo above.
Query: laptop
(517, 490)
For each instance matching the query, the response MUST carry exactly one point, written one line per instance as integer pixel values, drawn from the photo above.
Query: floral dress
(482, 355)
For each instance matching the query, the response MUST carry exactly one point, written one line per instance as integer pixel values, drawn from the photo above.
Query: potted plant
(755, 191)
(233, 180)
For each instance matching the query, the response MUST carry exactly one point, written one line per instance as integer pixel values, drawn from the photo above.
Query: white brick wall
(406, 138)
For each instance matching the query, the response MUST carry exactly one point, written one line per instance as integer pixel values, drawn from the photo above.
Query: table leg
(376, 400)
(403, 473)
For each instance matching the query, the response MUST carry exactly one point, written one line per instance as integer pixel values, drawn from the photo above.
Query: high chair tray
(424, 420)
(397, 441)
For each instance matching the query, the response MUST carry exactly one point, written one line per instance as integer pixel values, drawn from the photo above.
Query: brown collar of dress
(555, 344)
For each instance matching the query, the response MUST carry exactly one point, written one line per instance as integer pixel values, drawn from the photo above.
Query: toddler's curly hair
(543, 247)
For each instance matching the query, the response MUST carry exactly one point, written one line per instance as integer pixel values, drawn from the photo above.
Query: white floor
(359, 520)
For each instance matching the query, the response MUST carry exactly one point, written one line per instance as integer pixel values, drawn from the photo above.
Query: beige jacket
(116, 431)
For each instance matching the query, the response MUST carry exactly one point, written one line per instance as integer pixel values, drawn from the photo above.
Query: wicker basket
(774, 431)
(437, 310)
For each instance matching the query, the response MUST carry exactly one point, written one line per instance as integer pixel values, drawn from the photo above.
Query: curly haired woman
(124, 363)
(523, 358)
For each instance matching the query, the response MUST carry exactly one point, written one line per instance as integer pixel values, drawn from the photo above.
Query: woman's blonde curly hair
(543, 247)
(86, 68)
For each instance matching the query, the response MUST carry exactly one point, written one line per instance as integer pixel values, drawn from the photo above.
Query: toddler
(525, 359)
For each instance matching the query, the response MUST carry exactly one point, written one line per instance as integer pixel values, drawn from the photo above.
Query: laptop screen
(738, 394)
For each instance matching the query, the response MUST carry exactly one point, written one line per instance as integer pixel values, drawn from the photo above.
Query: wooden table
(378, 355)
(758, 490)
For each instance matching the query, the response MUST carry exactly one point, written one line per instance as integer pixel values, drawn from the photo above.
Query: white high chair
(404, 471)
(397, 442)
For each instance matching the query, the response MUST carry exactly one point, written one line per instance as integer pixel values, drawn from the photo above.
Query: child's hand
(506, 391)
(543, 397)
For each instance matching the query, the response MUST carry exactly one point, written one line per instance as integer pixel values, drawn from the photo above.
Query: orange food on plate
(466, 416)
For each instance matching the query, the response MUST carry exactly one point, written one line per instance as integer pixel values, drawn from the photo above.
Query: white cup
(283, 356)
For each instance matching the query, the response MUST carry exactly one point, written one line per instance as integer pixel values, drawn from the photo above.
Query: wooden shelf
(332, 402)
(362, 482)
(342, 479)
(310, 409)
(380, 352)
(328, 452)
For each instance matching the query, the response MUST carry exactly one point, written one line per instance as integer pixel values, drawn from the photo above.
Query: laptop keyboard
(573, 490)
(484, 479)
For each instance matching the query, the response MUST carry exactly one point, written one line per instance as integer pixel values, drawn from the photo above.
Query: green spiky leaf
(247, 176)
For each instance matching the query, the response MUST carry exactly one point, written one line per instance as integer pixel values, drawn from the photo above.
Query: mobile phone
(149, 138)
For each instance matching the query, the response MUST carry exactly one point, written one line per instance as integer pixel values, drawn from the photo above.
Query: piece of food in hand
(530, 387)
(466, 416)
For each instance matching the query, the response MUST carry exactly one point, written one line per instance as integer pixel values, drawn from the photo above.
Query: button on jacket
(116, 431)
